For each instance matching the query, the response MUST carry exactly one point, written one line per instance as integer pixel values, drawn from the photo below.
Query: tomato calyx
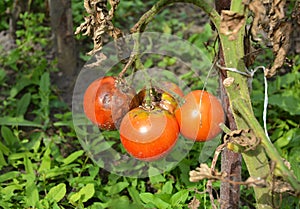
(166, 96)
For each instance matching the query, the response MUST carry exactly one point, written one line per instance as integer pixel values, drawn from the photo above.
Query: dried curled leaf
(281, 44)
(204, 172)
(271, 27)
(243, 138)
(194, 204)
(231, 23)
(256, 182)
(98, 22)
(280, 186)
(259, 18)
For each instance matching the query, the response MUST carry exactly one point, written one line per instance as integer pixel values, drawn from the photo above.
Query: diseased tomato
(107, 100)
(148, 134)
(199, 117)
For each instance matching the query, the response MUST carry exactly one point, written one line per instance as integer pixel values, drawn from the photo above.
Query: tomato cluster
(150, 121)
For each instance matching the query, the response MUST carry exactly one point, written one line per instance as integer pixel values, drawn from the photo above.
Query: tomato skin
(148, 134)
(172, 87)
(200, 122)
(105, 103)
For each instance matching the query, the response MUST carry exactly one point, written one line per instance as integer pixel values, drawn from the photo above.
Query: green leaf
(122, 202)
(98, 205)
(2, 160)
(18, 121)
(116, 188)
(8, 191)
(16, 156)
(31, 191)
(179, 197)
(9, 175)
(71, 158)
(44, 92)
(157, 178)
(56, 193)
(147, 197)
(28, 165)
(168, 187)
(134, 194)
(294, 159)
(150, 198)
(93, 171)
(46, 160)
(21, 84)
(155, 172)
(285, 139)
(23, 104)
(288, 101)
(32, 195)
(4, 149)
(9, 137)
(84, 194)
(45, 83)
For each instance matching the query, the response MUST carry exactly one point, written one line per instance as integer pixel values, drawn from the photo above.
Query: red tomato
(148, 134)
(105, 102)
(200, 120)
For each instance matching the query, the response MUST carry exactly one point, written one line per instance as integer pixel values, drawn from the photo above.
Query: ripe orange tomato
(148, 134)
(106, 101)
(199, 120)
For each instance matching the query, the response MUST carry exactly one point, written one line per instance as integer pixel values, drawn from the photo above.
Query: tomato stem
(149, 16)
(134, 57)
(266, 143)
(224, 128)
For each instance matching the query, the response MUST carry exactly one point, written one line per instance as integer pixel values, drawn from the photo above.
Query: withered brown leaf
(194, 204)
(98, 22)
(281, 43)
(231, 23)
(270, 27)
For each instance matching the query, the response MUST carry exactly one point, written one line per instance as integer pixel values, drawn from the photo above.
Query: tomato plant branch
(256, 160)
(134, 57)
(268, 146)
(240, 102)
(233, 50)
(148, 16)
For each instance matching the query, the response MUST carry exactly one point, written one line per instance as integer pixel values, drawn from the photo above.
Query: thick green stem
(268, 146)
(256, 160)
